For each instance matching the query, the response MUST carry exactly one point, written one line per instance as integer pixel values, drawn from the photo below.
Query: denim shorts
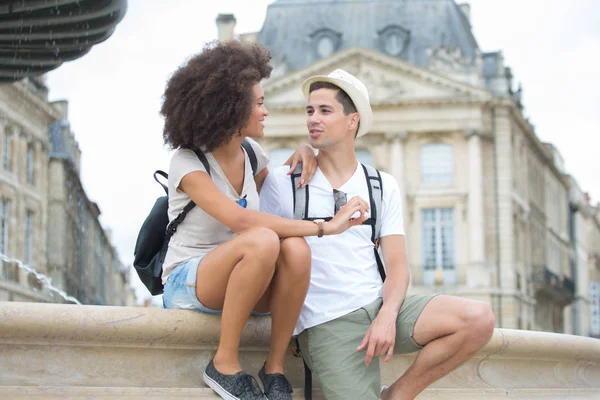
(180, 289)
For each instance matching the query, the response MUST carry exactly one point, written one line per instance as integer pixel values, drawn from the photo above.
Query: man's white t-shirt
(344, 275)
(199, 233)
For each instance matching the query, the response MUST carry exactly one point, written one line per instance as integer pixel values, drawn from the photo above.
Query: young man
(350, 316)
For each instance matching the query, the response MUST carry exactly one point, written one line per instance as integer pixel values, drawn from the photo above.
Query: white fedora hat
(356, 90)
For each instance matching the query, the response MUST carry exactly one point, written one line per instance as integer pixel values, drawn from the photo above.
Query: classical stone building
(486, 203)
(46, 220)
(593, 243)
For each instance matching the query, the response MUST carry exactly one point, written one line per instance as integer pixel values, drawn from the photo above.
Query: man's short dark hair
(347, 104)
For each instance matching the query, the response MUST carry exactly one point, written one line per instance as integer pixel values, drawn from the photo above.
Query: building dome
(299, 32)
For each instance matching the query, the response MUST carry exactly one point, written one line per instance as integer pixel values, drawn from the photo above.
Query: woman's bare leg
(285, 298)
(233, 277)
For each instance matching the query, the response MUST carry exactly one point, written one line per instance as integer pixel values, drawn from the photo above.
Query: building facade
(48, 226)
(485, 201)
(593, 243)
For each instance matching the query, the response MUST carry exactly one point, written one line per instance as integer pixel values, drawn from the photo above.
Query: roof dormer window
(393, 39)
(325, 42)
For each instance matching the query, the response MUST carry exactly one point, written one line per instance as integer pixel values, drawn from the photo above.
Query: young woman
(226, 257)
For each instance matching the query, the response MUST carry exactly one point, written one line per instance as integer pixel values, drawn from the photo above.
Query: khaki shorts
(330, 351)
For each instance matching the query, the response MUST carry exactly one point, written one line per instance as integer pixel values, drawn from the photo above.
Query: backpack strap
(300, 195)
(203, 160)
(172, 227)
(375, 185)
(375, 197)
(164, 175)
(251, 155)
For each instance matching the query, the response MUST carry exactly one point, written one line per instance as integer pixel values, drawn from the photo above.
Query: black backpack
(153, 240)
(301, 197)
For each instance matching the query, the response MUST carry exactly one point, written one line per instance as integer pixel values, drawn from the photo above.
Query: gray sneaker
(240, 386)
(277, 386)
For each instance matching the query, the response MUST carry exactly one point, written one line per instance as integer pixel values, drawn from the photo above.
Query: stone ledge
(68, 351)
(97, 393)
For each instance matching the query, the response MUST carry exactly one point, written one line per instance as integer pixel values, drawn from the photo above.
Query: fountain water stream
(43, 279)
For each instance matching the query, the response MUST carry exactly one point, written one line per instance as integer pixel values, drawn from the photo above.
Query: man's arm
(398, 273)
(381, 336)
(270, 200)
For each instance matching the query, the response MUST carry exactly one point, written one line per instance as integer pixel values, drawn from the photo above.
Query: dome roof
(299, 32)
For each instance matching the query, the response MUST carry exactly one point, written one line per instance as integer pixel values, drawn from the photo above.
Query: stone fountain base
(55, 351)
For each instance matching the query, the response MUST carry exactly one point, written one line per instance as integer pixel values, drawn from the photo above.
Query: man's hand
(381, 337)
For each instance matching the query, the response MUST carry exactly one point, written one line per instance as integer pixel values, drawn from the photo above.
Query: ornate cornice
(293, 106)
(396, 135)
(358, 54)
(469, 133)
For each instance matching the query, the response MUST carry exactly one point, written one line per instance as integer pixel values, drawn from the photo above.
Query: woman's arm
(200, 188)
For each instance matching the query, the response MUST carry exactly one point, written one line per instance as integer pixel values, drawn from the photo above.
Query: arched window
(437, 163)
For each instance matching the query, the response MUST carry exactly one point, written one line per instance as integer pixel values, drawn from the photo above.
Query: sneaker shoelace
(245, 383)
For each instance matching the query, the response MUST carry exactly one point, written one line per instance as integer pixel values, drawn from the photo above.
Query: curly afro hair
(209, 98)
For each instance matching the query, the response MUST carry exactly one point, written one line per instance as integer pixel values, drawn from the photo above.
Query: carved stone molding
(477, 132)
(401, 135)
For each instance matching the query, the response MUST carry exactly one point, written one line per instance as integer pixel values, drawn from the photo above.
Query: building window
(30, 163)
(28, 237)
(100, 271)
(393, 39)
(436, 163)
(595, 309)
(325, 42)
(437, 226)
(4, 225)
(6, 150)
(10, 270)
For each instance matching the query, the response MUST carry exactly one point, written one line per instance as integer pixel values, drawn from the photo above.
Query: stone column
(501, 119)
(477, 273)
(397, 160)
(397, 141)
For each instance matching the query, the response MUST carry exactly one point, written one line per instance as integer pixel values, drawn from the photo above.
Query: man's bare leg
(452, 329)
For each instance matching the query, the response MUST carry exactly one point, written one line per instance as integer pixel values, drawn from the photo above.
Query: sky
(114, 92)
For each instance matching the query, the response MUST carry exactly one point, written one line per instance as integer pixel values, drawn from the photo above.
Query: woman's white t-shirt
(200, 233)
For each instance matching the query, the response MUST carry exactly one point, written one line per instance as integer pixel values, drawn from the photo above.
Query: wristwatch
(320, 230)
